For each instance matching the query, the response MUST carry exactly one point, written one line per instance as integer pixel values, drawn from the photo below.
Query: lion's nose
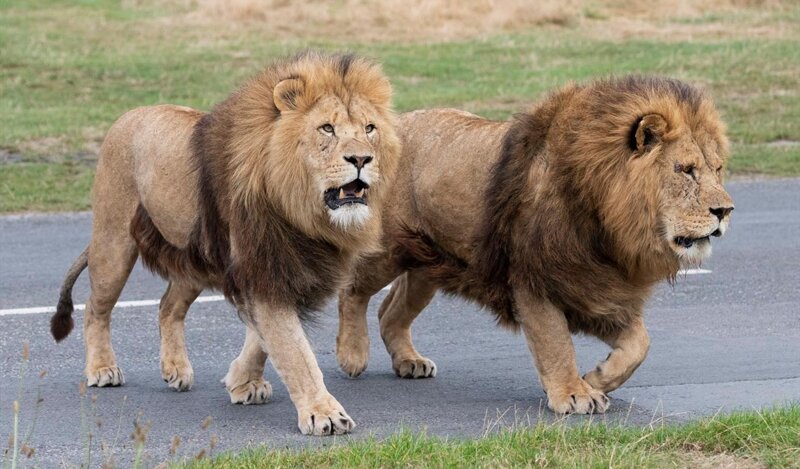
(721, 212)
(358, 161)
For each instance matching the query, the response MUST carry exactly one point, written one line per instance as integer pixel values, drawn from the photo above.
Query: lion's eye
(687, 169)
(327, 128)
(369, 128)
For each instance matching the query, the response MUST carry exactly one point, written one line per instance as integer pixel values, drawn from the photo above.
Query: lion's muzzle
(354, 192)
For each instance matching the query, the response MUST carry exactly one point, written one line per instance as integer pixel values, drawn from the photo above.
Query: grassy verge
(752, 439)
(69, 69)
(45, 187)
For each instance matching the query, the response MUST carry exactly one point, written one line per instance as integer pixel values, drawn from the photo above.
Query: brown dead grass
(446, 20)
(699, 460)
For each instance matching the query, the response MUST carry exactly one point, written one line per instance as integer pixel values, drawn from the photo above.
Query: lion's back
(448, 156)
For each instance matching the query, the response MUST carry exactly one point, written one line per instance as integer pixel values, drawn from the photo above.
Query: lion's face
(331, 148)
(341, 151)
(693, 205)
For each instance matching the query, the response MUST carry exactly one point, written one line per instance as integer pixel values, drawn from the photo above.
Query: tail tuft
(61, 324)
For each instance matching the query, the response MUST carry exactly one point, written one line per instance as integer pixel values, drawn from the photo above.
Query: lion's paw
(256, 391)
(179, 376)
(598, 380)
(414, 368)
(352, 356)
(105, 376)
(325, 417)
(579, 398)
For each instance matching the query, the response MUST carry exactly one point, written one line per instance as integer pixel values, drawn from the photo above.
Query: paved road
(724, 340)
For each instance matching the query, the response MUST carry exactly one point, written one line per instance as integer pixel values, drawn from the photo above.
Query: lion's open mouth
(354, 192)
(687, 242)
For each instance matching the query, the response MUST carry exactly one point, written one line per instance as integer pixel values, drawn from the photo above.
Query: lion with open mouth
(270, 197)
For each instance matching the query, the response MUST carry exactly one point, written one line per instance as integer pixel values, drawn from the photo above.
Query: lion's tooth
(360, 193)
(341, 193)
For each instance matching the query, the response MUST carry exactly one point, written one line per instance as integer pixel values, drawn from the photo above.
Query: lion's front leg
(318, 412)
(630, 347)
(245, 379)
(550, 343)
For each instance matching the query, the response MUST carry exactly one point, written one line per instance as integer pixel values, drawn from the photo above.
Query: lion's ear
(646, 132)
(286, 92)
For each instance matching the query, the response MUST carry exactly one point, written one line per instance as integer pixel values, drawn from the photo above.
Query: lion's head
(651, 161)
(688, 154)
(317, 138)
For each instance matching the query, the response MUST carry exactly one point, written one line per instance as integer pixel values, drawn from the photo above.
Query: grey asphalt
(721, 341)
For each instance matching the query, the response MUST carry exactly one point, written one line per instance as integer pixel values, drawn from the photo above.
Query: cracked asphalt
(721, 341)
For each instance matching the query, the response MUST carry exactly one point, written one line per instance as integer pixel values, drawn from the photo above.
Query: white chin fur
(723, 227)
(693, 256)
(349, 216)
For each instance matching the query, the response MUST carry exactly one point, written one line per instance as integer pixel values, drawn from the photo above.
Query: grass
(749, 439)
(69, 69)
(45, 187)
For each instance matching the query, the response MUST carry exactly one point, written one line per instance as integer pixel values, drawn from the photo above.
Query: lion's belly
(165, 178)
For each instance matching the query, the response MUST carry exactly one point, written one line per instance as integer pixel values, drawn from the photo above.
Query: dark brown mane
(522, 144)
(281, 264)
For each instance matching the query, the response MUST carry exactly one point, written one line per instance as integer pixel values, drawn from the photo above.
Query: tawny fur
(255, 195)
(564, 214)
(561, 220)
(234, 200)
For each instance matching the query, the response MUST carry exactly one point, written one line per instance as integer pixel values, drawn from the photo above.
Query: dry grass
(447, 20)
(698, 460)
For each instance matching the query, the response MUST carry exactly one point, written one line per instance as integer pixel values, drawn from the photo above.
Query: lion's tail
(416, 250)
(61, 323)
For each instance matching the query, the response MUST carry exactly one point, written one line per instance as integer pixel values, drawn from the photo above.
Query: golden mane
(261, 220)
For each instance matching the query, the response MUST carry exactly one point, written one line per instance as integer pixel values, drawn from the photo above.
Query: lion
(270, 198)
(559, 221)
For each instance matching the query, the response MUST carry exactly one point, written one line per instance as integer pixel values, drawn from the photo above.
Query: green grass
(69, 69)
(752, 439)
(45, 187)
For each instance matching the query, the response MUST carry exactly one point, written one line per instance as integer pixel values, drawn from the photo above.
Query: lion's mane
(587, 236)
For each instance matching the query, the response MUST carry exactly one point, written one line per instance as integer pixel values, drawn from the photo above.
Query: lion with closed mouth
(270, 197)
(559, 221)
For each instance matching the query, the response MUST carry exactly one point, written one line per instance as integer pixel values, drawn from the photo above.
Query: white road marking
(121, 304)
(694, 272)
(200, 299)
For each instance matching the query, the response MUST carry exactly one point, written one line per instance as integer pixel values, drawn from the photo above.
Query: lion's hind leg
(352, 341)
(175, 366)
(245, 379)
(630, 347)
(410, 294)
(112, 254)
